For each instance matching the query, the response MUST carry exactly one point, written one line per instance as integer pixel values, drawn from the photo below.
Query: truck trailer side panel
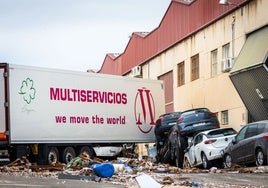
(56, 106)
(2, 107)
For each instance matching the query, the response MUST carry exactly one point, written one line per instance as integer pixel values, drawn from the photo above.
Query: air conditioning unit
(136, 71)
(227, 64)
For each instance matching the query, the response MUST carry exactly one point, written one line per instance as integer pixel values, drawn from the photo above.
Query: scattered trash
(19, 162)
(130, 172)
(128, 169)
(83, 160)
(196, 184)
(146, 181)
(118, 168)
(213, 169)
(105, 170)
(152, 152)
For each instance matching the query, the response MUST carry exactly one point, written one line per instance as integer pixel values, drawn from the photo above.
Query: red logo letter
(144, 106)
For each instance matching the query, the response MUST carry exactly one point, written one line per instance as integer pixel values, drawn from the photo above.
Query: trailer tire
(88, 150)
(52, 155)
(68, 154)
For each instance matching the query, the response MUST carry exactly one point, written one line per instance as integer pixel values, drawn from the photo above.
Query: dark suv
(163, 126)
(196, 120)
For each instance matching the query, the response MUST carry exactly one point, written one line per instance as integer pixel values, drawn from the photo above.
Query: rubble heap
(130, 172)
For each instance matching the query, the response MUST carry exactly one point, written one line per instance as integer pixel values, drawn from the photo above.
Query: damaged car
(205, 148)
(249, 146)
(172, 131)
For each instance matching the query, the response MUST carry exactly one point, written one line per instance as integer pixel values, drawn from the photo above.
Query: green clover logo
(27, 90)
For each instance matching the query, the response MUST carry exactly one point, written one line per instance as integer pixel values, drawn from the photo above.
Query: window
(226, 51)
(241, 135)
(261, 128)
(181, 75)
(251, 131)
(194, 67)
(214, 62)
(224, 117)
(198, 139)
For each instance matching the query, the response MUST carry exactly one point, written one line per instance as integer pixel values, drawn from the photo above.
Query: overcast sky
(72, 34)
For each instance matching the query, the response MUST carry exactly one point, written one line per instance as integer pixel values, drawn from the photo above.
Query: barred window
(224, 117)
(181, 74)
(194, 67)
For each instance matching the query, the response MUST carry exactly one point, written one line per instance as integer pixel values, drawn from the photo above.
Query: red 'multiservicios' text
(92, 96)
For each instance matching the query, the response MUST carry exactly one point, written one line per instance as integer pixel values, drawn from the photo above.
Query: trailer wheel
(68, 154)
(88, 150)
(52, 155)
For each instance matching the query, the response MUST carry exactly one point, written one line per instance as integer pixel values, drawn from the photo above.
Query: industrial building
(210, 53)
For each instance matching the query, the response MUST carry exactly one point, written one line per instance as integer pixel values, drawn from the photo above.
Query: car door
(248, 144)
(236, 146)
(191, 156)
(195, 149)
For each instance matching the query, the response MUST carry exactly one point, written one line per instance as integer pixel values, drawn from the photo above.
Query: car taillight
(265, 136)
(210, 141)
(182, 133)
(213, 114)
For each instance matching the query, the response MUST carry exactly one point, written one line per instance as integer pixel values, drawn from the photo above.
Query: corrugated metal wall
(249, 84)
(180, 20)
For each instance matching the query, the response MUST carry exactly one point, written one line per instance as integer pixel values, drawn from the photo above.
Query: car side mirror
(190, 143)
(234, 140)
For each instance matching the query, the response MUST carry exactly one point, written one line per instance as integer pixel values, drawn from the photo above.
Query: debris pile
(130, 172)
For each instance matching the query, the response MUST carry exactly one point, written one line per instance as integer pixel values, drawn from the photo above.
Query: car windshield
(221, 132)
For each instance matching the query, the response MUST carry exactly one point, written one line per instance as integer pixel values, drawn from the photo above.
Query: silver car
(205, 147)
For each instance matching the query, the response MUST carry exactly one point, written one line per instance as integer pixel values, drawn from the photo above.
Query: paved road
(251, 180)
(240, 179)
(20, 181)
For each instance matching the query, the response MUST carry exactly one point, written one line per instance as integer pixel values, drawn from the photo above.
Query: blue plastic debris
(104, 170)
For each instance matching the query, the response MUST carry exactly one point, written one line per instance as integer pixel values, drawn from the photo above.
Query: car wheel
(205, 162)
(260, 160)
(228, 161)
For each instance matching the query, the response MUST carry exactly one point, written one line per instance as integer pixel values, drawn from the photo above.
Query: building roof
(182, 19)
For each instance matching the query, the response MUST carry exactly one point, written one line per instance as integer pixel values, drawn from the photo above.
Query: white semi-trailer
(49, 114)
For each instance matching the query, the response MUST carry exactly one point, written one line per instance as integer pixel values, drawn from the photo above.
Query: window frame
(214, 62)
(226, 51)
